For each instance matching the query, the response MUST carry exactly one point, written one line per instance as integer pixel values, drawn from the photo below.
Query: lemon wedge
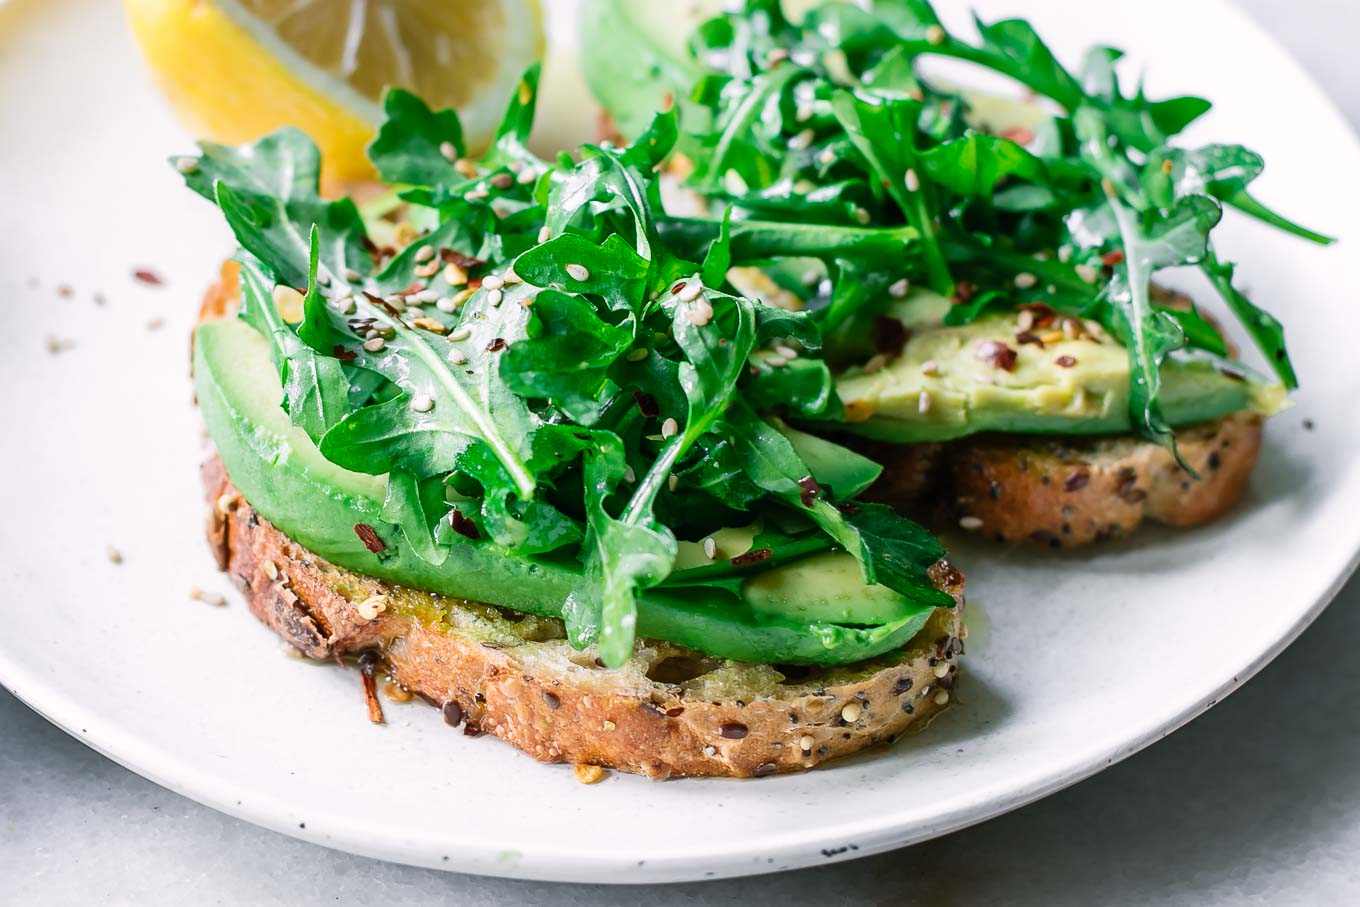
(237, 69)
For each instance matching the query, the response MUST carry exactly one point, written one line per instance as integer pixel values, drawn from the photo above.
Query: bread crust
(1069, 491)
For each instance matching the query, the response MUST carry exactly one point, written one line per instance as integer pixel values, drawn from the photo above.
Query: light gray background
(1256, 802)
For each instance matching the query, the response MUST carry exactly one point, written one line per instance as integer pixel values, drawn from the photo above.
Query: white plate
(1075, 661)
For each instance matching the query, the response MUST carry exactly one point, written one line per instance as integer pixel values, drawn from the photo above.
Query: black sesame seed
(733, 730)
(551, 700)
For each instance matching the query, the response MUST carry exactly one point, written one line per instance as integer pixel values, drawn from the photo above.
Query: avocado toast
(499, 437)
(1017, 370)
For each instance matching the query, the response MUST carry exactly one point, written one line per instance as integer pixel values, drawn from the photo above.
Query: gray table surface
(1256, 802)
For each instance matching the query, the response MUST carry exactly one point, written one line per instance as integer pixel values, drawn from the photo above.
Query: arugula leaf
(976, 164)
(409, 148)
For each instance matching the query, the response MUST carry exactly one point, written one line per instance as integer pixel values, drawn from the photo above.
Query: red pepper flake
(66, 291)
(647, 404)
(496, 345)
(1029, 337)
(1020, 135)
(808, 496)
(148, 277)
(463, 525)
(1043, 314)
(964, 292)
(890, 335)
(1110, 259)
(998, 354)
(369, 536)
(1065, 361)
(677, 288)
(454, 257)
(344, 355)
(752, 557)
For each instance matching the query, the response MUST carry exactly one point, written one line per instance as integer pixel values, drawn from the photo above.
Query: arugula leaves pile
(541, 360)
(830, 122)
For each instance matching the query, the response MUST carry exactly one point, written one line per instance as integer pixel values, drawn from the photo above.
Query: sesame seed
(787, 352)
(912, 181)
(1025, 321)
(710, 548)
(424, 253)
(352, 275)
(942, 669)
(578, 272)
(493, 297)
(861, 215)
(609, 725)
(226, 503)
(1071, 328)
(935, 35)
(673, 482)
(187, 165)
(502, 180)
(374, 344)
(1025, 280)
(710, 750)
(113, 554)
(923, 403)
(429, 269)
(827, 157)
(455, 275)
(802, 140)
(670, 428)
(290, 650)
(396, 692)
(424, 296)
(446, 304)
(638, 354)
(805, 743)
(344, 305)
(429, 324)
(629, 475)
(900, 289)
(875, 364)
(271, 570)
(691, 290)
(776, 361)
(588, 774)
(395, 300)
(544, 234)
(1087, 273)
(941, 697)
(447, 149)
(422, 403)
(371, 607)
(930, 367)
(699, 313)
(208, 598)
(457, 357)
(526, 176)
(851, 712)
(492, 282)
(970, 523)
(460, 334)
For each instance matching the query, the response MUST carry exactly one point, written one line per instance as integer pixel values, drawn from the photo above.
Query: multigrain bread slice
(1067, 491)
(668, 712)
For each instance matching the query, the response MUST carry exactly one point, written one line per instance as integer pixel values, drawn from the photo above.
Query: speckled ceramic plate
(1074, 661)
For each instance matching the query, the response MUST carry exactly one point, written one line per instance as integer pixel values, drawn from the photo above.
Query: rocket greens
(547, 366)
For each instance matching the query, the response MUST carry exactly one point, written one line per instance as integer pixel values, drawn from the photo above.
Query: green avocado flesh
(795, 613)
(940, 388)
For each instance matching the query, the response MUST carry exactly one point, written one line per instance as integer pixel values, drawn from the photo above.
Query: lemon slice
(237, 69)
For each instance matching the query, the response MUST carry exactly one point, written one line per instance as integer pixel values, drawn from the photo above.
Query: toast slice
(1067, 491)
(668, 712)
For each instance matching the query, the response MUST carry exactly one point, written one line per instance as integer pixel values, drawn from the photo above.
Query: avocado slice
(939, 388)
(813, 589)
(284, 477)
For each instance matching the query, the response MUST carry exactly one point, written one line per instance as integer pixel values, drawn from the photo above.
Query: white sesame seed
(526, 176)
(629, 475)
(935, 34)
(805, 743)
(344, 305)
(942, 697)
(1065, 254)
(113, 554)
(446, 304)
(510, 277)
(787, 352)
(711, 548)
(578, 272)
(271, 570)
(710, 750)
(942, 669)
(455, 275)
(456, 357)
(699, 313)
(1025, 280)
(395, 300)
(970, 523)
(187, 165)
(424, 297)
(422, 403)
(424, 253)
(374, 344)
(930, 367)
(875, 364)
(1025, 321)
(1087, 273)
(429, 269)
(208, 598)
(493, 297)
(861, 215)
(544, 234)
(673, 482)
(459, 334)
(638, 354)
(913, 182)
(827, 157)
(492, 282)
(371, 607)
(447, 149)
(352, 275)
(691, 291)
(290, 650)
(776, 361)
(670, 428)
(1071, 328)
(802, 140)
(923, 403)
(851, 712)
(900, 289)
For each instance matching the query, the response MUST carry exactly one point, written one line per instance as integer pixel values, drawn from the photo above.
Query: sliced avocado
(286, 480)
(944, 386)
(813, 589)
